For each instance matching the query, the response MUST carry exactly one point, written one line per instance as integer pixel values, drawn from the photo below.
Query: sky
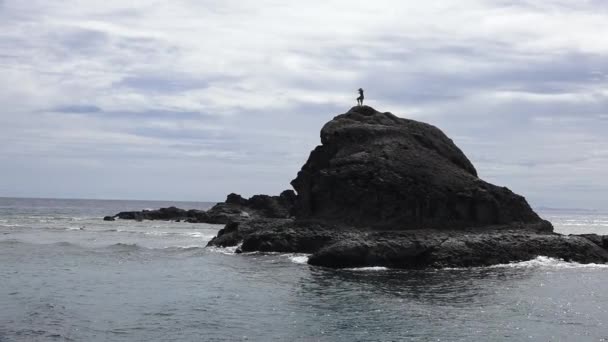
(194, 99)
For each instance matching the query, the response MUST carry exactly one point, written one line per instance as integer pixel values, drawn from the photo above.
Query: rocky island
(234, 209)
(387, 191)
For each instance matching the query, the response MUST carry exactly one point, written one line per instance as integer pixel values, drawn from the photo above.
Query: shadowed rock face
(377, 170)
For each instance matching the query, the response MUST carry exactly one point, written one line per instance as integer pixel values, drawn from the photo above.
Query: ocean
(66, 275)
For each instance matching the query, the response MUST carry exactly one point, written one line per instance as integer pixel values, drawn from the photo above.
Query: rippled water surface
(67, 275)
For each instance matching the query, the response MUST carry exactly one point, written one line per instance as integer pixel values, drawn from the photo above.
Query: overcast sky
(191, 100)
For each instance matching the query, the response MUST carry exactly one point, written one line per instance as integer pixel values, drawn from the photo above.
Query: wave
(547, 262)
(299, 258)
(538, 262)
(161, 233)
(368, 269)
(184, 248)
(63, 244)
(224, 250)
(20, 242)
(11, 242)
(113, 248)
(8, 225)
(124, 247)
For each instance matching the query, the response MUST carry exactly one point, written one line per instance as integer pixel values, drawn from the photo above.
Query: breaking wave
(547, 262)
(368, 269)
(299, 258)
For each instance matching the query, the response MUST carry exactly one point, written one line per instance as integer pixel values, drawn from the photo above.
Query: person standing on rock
(360, 98)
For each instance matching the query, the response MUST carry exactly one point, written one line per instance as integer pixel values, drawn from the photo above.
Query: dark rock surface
(386, 191)
(235, 208)
(456, 249)
(342, 246)
(377, 170)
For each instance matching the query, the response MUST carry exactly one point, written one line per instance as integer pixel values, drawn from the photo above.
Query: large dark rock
(455, 249)
(386, 191)
(346, 246)
(379, 171)
(171, 213)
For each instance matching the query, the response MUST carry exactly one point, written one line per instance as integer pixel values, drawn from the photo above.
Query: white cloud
(239, 89)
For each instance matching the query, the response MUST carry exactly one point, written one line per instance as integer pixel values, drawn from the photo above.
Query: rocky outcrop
(456, 249)
(343, 246)
(234, 209)
(385, 191)
(237, 208)
(377, 170)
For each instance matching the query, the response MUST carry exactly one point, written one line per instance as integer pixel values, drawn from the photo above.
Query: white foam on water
(547, 262)
(299, 258)
(368, 269)
(185, 247)
(11, 225)
(224, 250)
(157, 233)
(84, 218)
(199, 235)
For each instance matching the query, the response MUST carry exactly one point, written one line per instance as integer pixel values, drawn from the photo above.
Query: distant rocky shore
(386, 191)
(234, 209)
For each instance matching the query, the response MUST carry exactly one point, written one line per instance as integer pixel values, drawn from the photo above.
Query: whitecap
(199, 235)
(299, 258)
(11, 225)
(157, 233)
(368, 269)
(185, 247)
(224, 250)
(547, 262)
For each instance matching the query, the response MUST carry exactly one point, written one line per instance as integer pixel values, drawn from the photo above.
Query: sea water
(67, 275)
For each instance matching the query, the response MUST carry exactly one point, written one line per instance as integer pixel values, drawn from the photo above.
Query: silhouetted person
(360, 98)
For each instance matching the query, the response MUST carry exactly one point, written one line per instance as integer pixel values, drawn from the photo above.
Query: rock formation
(387, 191)
(377, 170)
(234, 209)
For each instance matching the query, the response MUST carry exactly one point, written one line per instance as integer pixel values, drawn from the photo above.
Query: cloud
(77, 109)
(112, 98)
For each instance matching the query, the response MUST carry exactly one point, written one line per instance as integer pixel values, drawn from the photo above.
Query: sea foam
(299, 258)
(547, 262)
